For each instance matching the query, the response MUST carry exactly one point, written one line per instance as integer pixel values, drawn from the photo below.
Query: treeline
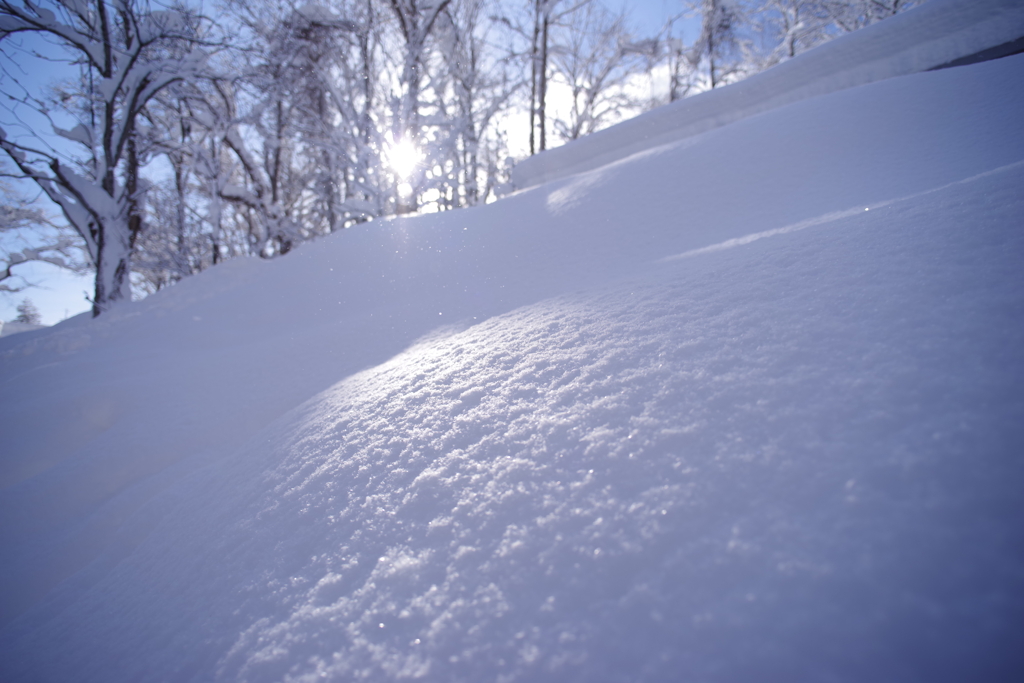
(190, 139)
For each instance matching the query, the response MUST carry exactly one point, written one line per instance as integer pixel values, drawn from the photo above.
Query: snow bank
(743, 407)
(930, 36)
(14, 327)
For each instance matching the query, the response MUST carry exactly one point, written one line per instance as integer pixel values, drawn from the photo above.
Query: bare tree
(850, 15)
(718, 44)
(546, 15)
(678, 60)
(788, 27)
(596, 60)
(126, 54)
(478, 84)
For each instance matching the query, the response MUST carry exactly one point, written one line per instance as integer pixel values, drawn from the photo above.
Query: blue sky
(648, 15)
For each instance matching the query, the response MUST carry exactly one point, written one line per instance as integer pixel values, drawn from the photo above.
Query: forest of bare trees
(158, 140)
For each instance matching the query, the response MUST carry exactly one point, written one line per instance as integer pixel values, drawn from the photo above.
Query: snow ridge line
(833, 216)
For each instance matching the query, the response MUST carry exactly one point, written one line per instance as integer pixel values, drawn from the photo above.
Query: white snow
(14, 327)
(926, 37)
(744, 407)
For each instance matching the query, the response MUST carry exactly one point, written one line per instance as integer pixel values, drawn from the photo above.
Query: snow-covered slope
(746, 407)
(933, 35)
(15, 327)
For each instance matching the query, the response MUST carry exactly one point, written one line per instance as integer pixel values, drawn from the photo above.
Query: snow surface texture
(926, 37)
(746, 407)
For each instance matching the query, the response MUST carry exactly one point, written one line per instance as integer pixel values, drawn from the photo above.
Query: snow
(742, 407)
(14, 327)
(927, 37)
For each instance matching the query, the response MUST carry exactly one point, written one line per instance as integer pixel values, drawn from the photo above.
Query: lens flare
(403, 157)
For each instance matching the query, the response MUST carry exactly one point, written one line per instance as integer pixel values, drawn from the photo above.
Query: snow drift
(937, 34)
(744, 407)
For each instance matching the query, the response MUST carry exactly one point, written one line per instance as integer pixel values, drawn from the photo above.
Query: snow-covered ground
(743, 408)
(15, 327)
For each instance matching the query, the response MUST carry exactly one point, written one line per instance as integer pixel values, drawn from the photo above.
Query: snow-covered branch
(127, 55)
(28, 235)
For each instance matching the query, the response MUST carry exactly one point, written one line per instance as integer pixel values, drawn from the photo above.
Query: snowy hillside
(935, 35)
(745, 407)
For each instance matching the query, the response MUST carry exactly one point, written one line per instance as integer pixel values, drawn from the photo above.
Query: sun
(403, 157)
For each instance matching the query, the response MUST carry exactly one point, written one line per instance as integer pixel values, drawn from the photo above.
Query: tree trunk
(112, 268)
(544, 85)
(533, 76)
